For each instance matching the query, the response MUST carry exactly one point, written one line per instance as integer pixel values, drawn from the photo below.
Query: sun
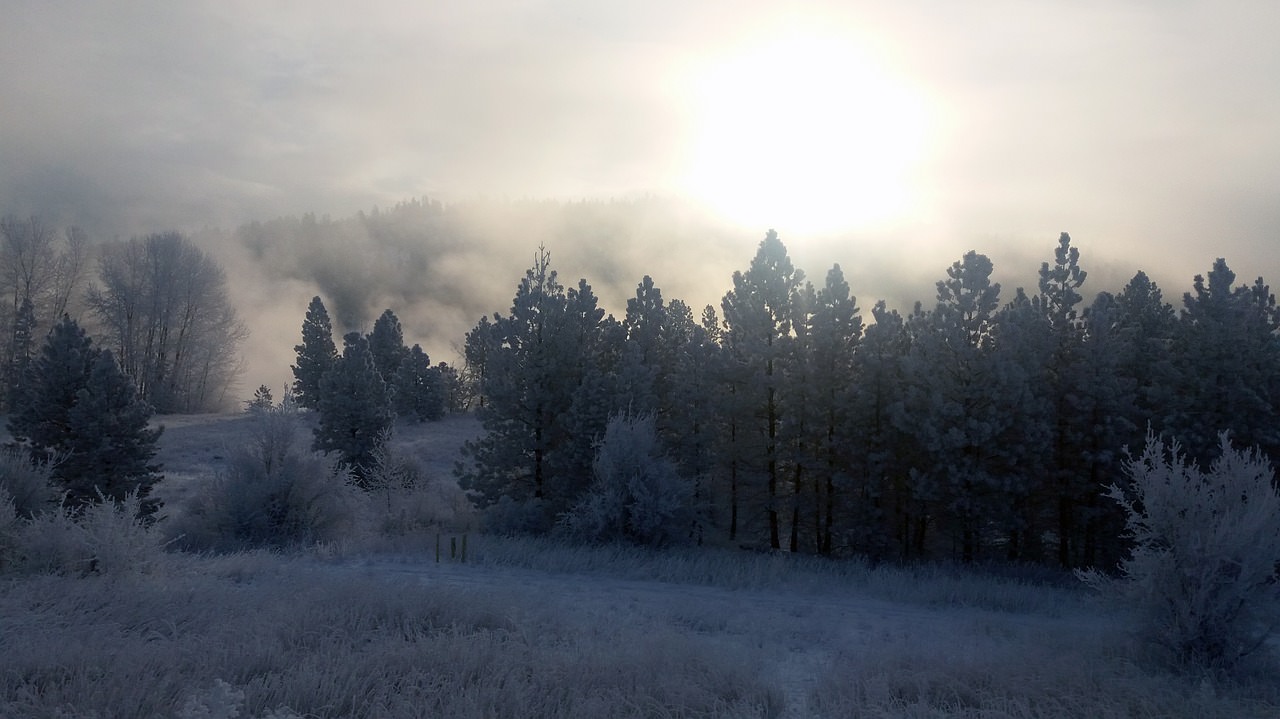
(804, 133)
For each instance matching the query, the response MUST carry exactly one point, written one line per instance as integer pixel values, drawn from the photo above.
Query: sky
(893, 136)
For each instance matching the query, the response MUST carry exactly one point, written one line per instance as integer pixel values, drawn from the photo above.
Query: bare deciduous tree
(163, 307)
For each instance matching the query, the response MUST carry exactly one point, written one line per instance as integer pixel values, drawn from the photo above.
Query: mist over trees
(976, 428)
(42, 275)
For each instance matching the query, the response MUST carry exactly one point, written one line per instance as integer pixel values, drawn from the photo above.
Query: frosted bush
(637, 493)
(272, 493)
(29, 484)
(1202, 575)
(105, 537)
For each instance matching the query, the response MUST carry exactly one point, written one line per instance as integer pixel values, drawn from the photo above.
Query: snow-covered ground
(529, 628)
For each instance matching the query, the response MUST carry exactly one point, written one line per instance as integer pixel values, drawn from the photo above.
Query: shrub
(28, 481)
(1202, 575)
(637, 494)
(271, 494)
(107, 538)
(404, 498)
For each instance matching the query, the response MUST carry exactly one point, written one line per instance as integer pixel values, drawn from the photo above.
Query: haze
(889, 140)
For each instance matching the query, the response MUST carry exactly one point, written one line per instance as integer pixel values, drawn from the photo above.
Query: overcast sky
(909, 130)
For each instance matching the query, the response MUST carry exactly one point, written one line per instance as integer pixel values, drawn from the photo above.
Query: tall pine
(316, 355)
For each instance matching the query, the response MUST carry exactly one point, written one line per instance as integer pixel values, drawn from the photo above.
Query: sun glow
(804, 133)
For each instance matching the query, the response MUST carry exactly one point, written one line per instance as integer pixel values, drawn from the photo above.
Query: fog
(656, 139)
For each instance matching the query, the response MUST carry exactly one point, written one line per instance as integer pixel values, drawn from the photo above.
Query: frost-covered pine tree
(355, 408)
(316, 355)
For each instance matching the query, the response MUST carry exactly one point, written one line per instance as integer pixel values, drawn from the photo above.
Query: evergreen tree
(79, 408)
(419, 388)
(1228, 366)
(955, 406)
(355, 409)
(534, 363)
(1146, 325)
(21, 347)
(111, 447)
(57, 374)
(835, 330)
(758, 316)
(878, 500)
(386, 344)
(316, 355)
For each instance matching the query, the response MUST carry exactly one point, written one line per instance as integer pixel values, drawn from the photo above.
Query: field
(379, 627)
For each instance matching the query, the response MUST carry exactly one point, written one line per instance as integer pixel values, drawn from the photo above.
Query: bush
(105, 538)
(271, 494)
(1202, 575)
(404, 499)
(637, 494)
(27, 481)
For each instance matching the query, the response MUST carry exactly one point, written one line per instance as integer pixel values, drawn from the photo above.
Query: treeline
(976, 428)
(158, 302)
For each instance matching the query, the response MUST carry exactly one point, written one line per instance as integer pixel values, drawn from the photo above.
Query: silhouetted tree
(355, 409)
(316, 355)
(419, 388)
(386, 345)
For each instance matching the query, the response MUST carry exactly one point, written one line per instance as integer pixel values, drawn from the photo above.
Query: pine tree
(40, 416)
(316, 355)
(537, 414)
(80, 408)
(758, 317)
(1228, 365)
(355, 409)
(835, 330)
(386, 344)
(419, 388)
(878, 495)
(111, 445)
(954, 406)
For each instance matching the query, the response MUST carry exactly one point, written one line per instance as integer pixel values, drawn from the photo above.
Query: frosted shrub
(637, 494)
(29, 484)
(404, 498)
(271, 494)
(105, 537)
(1202, 575)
